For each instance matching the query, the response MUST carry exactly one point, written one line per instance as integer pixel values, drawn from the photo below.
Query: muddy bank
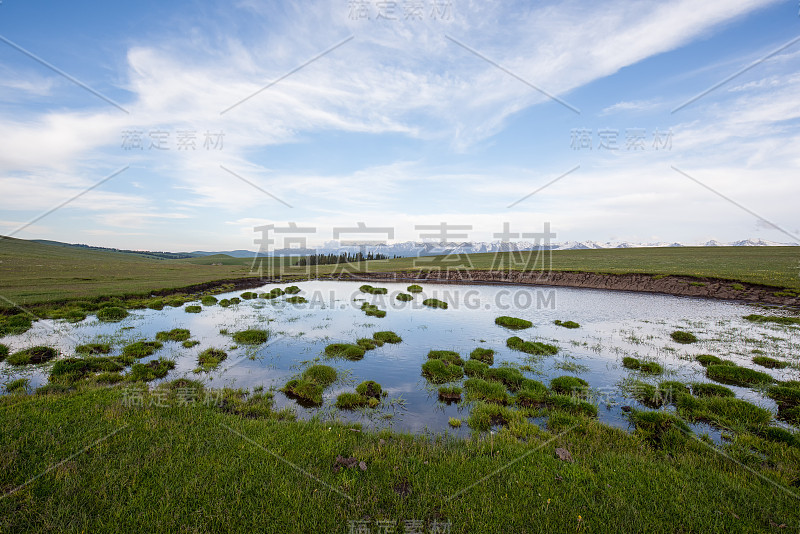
(686, 286)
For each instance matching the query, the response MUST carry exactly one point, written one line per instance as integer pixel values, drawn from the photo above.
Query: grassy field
(90, 461)
(33, 273)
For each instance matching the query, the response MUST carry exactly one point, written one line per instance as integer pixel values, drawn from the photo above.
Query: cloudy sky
(182, 125)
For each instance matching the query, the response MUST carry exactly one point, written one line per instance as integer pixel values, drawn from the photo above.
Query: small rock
(381, 442)
(362, 466)
(563, 454)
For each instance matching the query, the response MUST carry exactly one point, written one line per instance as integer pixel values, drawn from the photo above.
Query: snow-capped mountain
(417, 248)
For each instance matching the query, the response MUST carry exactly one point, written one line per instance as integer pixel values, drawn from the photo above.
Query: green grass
(475, 368)
(370, 388)
(707, 359)
(190, 343)
(513, 323)
(368, 344)
(32, 355)
(683, 337)
(372, 311)
(786, 321)
(297, 300)
(20, 385)
(93, 348)
(351, 401)
(510, 377)
(209, 359)
(146, 372)
(448, 356)
(73, 369)
(435, 303)
(441, 372)
(366, 288)
(112, 314)
(177, 446)
(450, 393)
(414, 288)
(648, 368)
(308, 389)
(482, 390)
(704, 389)
(3, 352)
(770, 363)
(737, 376)
(344, 350)
(252, 336)
(535, 348)
(248, 295)
(14, 325)
(176, 334)
(785, 396)
(208, 300)
(387, 337)
(193, 309)
(482, 355)
(404, 297)
(566, 324)
(569, 385)
(292, 290)
(141, 349)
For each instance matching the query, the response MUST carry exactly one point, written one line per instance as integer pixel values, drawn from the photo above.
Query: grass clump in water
(414, 288)
(514, 323)
(141, 349)
(724, 412)
(770, 363)
(19, 385)
(176, 334)
(366, 288)
(93, 348)
(450, 394)
(441, 372)
(786, 321)
(475, 368)
(566, 324)
(190, 343)
(225, 303)
(531, 347)
(486, 415)
(404, 297)
(784, 396)
(73, 369)
(297, 300)
(252, 336)
(454, 422)
(737, 376)
(704, 389)
(193, 309)
(345, 350)
(370, 388)
(3, 352)
(292, 290)
(571, 404)
(435, 303)
(209, 359)
(509, 376)
(367, 344)
(14, 325)
(482, 355)
(351, 401)
(112, 314)
(482, 390)
(208, 300)
(448, 356)
(707, 359)
(569, 385)
(308, 389)
(532, 394)
(33, 355)
(372, 311)
(387, 336)
(248, 295)
(145, 372)
(682, 337)
(273, 293)
(649, 368)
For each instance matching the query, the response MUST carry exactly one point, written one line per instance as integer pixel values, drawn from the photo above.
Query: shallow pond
(612, 325)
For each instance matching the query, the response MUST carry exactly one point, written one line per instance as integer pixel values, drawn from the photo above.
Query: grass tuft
(252, 336)
(33, 355)
(682, 337)
(531, 347)
(513, 323)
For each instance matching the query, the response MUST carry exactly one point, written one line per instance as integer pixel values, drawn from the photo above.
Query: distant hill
(143, 253)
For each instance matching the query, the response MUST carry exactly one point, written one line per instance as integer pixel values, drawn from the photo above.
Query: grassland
(92, 461)
(33, 273)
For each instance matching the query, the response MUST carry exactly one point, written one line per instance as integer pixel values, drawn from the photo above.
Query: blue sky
(456, 113)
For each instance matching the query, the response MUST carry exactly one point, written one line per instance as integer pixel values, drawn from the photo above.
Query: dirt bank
(670, 285)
